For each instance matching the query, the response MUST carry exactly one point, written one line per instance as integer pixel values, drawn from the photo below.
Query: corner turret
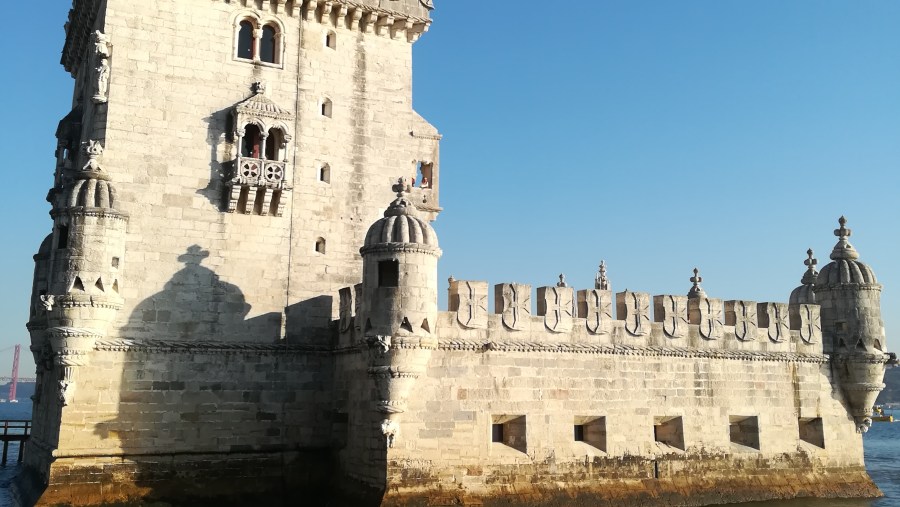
(398, 309)
(850, 297)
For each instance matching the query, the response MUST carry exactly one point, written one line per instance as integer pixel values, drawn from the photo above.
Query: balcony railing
(255, 172)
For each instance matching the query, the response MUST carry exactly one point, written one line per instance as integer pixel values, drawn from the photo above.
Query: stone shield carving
(672, 312)
(742, 315)
(555, 304)
(634, 309)
(513, 303)
(707, 314)
(595, 306)
(469, 300)
(774, 318)
(806, 319)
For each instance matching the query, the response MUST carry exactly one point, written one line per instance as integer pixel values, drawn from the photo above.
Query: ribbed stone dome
(401, 225)
(845, 266)
(846, 271)
(91, 193)
(806, 294)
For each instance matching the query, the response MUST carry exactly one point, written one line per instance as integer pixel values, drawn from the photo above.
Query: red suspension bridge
(14, 378)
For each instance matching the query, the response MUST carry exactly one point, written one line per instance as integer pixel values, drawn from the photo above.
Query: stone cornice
(365, 18)
(400, 248)
(82, 17)
(624, 350)
(173, 346)
(165, 346)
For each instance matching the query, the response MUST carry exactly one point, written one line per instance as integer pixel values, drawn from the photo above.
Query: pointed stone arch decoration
(259, 183)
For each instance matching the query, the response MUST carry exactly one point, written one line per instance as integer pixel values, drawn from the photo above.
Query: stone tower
(850, 297)
(399, 304)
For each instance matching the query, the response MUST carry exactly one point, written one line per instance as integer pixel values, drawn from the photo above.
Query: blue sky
(657, 135)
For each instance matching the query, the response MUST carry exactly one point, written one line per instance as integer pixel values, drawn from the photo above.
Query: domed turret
(400, 256)
(398, 309)
(850, 297)
(91, 193)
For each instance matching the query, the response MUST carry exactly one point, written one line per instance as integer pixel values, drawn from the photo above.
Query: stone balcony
(256, 187)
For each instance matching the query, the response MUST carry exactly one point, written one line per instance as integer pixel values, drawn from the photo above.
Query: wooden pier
(14, 431)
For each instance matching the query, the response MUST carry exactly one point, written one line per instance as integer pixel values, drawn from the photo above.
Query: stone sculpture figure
(101, 68)
(742, 315)
(634, 309)
(93, 149)
(672, 312)
(346, 309)
(513, 303)
(595, 306)
(390, 429)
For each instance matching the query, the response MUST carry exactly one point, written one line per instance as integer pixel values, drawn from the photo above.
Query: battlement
(565, 315)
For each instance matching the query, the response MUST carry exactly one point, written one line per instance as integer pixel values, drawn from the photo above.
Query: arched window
(268, 45)
(252, 140)
(245, 40)
(273, 144)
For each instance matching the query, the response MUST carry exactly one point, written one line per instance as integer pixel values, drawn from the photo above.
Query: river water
(882, 444)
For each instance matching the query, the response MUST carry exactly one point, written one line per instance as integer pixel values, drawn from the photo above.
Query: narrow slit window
(325, 173)
(62, 240)
(331, 40)
(497, 433)
(320, 245)
(327, 108)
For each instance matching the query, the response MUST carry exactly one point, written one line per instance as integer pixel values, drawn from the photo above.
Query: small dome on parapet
(90, 193)
(845, 267)
(805, 294)
(401, 224)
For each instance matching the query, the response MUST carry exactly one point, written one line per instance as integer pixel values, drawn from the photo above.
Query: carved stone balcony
(257, 187)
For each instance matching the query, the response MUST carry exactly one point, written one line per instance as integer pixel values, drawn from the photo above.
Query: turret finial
(562, 281)
(401, 205)
(601, 282)
(809, 278)
(696, 291)
(843, 250)
(259, 87)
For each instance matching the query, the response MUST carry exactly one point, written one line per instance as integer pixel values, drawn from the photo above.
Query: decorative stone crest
(513, 302)
(101, 67)
(93, 150)
(469, 301)
(595, 306)
(742, 315)
(555, 304)
(806, 319)
(773, 317)
(706, 313)
(634, 309)
(672, 312)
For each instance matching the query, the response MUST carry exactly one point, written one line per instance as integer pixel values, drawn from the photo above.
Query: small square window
(388, 273)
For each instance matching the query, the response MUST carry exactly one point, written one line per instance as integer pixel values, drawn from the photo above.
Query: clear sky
(657, 135)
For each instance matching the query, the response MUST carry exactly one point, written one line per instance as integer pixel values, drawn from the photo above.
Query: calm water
(882, 444)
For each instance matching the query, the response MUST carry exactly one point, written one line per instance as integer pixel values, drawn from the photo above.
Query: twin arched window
(258, 42)
(252, 145)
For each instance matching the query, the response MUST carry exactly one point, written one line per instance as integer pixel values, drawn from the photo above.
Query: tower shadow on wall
(197, 305)
(218, 135)
(162, 408)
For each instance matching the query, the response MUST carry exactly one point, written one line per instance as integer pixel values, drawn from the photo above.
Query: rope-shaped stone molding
(625, 350)
(172, 346)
